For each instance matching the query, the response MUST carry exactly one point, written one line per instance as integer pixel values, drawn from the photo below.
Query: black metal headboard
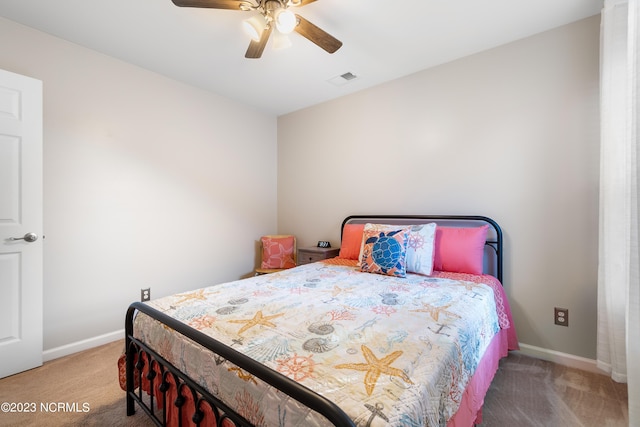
(493, 244)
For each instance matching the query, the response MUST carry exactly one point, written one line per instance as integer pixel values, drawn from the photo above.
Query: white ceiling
(382, 40)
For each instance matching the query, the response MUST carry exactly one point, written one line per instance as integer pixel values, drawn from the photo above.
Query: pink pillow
(460, 250)
(351, 241)
(277, 252)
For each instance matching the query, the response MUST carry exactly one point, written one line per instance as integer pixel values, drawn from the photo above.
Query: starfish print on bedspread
(196, 295)
(435, 311)
(337, 290)
(258, 319)
(375, 367)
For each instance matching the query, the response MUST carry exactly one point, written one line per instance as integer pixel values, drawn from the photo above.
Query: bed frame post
(131, 409)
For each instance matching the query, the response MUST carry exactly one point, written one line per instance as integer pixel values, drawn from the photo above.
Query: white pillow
(420, 248)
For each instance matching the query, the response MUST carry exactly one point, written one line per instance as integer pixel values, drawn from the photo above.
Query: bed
(405, 328)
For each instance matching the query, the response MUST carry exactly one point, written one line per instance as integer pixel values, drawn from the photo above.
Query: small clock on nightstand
(308, 255)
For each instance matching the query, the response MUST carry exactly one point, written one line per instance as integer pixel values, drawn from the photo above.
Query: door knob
(29, 237)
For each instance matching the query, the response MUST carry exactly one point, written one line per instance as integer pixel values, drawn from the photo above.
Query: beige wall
(511, 133)
(147, 183)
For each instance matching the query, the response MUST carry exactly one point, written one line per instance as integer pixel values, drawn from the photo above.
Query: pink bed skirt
(470, 411)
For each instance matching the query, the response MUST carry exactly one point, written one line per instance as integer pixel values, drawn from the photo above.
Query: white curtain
(618, 349)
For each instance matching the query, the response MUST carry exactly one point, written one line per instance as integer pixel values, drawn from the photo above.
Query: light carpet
(82, 390)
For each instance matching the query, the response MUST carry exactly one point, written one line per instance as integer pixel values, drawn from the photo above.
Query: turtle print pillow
(420, 246)
(384, 251)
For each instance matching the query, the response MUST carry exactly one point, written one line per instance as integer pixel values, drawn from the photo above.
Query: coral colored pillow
(460, 250)
(277, 252)
(384, 252)
(351, 241)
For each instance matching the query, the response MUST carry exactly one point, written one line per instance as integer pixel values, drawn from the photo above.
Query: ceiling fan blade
(316, 35)
(256, 47)
(299, 3)
(213, 4)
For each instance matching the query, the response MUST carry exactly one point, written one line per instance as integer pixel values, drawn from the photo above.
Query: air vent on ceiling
(343, 78)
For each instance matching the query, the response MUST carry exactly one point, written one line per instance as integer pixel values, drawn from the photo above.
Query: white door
(20, 223)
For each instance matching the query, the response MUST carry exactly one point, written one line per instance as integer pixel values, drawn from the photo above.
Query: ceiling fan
(271, 13)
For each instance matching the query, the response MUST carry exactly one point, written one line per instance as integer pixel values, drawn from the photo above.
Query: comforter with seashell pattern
(389, 351)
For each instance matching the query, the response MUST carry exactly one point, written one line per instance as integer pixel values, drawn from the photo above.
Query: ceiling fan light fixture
(254, 26)
(285, 21)
(281, 41)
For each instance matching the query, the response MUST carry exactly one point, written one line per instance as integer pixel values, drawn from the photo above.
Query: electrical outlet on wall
(561, 316)
(145, 294)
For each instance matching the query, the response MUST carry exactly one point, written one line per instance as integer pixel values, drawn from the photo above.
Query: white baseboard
(564, 359)
(75, 347)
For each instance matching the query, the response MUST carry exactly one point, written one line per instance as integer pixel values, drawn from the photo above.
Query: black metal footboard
(139, 353)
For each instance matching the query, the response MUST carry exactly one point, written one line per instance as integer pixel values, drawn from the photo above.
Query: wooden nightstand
(307, 255)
